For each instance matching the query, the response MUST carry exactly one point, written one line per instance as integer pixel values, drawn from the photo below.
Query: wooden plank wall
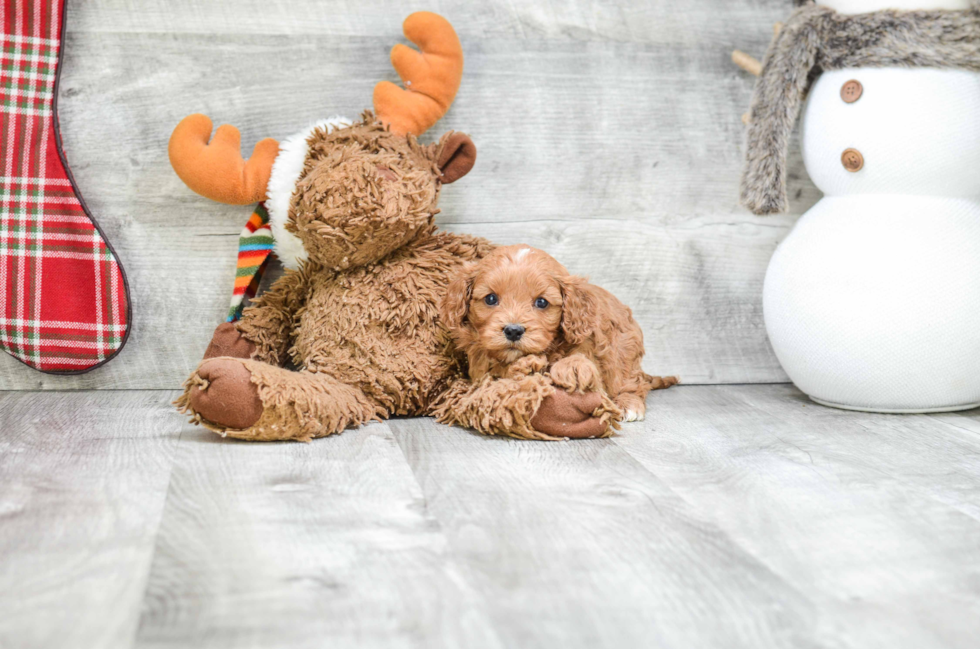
(609, 134)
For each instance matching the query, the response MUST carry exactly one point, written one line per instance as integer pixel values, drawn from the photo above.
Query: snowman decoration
(872, 302)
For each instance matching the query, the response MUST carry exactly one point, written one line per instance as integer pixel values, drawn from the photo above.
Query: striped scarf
(254, 245)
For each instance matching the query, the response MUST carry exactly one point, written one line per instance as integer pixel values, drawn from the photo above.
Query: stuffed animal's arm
(527, 407)
(268, 322)
(494, 406)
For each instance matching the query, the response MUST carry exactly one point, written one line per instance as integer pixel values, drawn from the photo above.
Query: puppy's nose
(513, 332)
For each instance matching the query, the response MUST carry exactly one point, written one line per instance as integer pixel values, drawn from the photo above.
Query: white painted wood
(83, 479)
(609, 134)
(649, 21)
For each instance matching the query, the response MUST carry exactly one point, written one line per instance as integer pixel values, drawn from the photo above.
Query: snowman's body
(873, 300)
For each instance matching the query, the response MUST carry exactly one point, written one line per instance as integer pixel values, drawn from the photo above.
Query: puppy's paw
(576, 373)
(526, 366)
(633, 407)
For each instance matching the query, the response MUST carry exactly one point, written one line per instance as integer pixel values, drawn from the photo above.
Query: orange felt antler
(217, 170)
(431, 76)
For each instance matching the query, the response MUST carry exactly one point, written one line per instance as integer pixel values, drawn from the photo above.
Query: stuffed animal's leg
(252, 400)
(527, 407)
(495, 406)
(228, 341)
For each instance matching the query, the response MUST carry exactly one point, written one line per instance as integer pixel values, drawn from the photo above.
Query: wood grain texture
(575, 544)
(608, 134)
(734, 516)
(874, 518)
(83, 478)
(303, 545)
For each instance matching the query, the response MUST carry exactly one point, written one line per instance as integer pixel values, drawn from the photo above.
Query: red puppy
(519, 302)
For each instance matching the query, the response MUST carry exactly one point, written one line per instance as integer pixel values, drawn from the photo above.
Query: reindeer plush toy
(351, 207)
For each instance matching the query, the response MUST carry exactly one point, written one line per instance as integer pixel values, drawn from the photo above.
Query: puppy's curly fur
(519, 303)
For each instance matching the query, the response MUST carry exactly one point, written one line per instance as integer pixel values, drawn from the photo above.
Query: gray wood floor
(737, 516)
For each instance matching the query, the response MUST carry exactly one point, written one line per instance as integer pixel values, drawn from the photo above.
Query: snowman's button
(851, 91)
(852, 160)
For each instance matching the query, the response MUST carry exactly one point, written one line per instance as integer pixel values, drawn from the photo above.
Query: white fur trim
(286, 171)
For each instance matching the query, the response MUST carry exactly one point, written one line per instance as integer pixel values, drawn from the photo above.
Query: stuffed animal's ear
(455, 305)
(457, 155)
(579, 309)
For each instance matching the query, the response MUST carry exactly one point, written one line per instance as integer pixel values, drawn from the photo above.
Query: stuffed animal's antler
(217, 170)
(431, 77)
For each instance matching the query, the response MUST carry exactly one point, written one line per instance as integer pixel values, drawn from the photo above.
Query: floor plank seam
(454, 562)
(156, 534)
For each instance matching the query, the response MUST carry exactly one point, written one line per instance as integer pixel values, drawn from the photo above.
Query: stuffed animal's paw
(227, 341)
(222, 393)
(576, 373)
(576, 415)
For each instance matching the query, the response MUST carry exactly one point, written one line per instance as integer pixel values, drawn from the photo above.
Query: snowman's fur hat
(818, 38)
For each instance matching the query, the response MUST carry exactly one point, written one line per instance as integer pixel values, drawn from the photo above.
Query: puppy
(519, 309)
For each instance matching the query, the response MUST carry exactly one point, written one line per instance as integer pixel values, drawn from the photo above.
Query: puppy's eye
(490, 299)
(541, 303)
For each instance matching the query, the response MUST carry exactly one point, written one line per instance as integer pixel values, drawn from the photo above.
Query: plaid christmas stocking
(64, 302)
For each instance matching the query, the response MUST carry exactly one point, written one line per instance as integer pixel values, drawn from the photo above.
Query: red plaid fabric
(64, 304)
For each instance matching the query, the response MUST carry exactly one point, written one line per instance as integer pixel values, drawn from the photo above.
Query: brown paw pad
(227, 397)
(565, 414)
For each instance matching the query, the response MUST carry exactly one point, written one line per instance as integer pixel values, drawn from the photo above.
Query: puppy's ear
(579, 310)
(455, 304)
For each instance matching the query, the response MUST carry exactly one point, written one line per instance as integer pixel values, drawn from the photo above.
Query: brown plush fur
(818, 38)
(585, 337)
(360, 318)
